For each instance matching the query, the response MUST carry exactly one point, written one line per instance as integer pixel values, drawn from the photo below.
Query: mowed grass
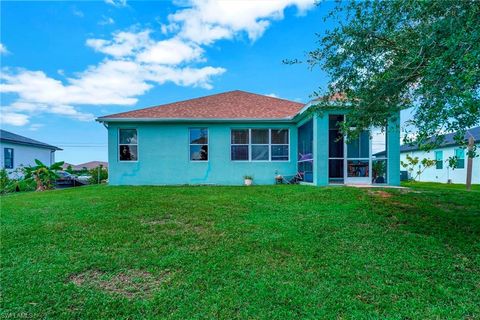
(273, 252)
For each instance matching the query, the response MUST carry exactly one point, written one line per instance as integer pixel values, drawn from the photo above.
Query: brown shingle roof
(228, 105)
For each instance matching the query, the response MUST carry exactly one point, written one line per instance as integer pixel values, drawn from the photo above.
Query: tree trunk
(40, 186)
(470, 163)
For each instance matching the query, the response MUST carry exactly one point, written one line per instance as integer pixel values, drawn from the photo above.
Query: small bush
(19, 184)
(95, 177)
(4, 181)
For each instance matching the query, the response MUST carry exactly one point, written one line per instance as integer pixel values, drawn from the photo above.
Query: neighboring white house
(442, 172)
(18, 151)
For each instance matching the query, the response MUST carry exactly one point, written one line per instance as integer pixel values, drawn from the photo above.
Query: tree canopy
(386, 56)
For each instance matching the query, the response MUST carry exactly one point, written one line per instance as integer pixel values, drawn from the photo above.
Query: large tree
(392, 55)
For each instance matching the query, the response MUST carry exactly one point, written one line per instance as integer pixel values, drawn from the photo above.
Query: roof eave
(438, 147)
(31, 144)
(101, 119)
(333, 105)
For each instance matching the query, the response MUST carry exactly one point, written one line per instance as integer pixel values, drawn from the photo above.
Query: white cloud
(273, 95)
(117, 82)
(197, 77)
(117, 3)
(106, 21)
(123, 43)
(77, 12)
(35, 126)
(207, 21)
(19, 113)
(3, 49)
(135, 61)
(171, 51)
(14, 119)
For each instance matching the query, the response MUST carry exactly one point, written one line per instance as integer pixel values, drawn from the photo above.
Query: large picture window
(260, 144)
(8, 158)
(199, 144)
(128, 144)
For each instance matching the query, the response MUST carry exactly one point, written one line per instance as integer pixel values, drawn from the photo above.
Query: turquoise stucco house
(218, 139)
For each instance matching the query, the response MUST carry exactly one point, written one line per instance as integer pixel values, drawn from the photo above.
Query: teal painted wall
(163, 153)
(163, 156)
(393, 151)
(320, 128)
(320, 163)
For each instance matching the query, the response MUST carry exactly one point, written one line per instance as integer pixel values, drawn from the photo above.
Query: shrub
(98, 175)
(4, 181)
(43, 176)
(415, 166)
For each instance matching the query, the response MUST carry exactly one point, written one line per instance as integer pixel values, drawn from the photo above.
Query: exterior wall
(163, 156)
(433, 174)
(320, 128)
(25, 156)
(393, 151)
(321, 148)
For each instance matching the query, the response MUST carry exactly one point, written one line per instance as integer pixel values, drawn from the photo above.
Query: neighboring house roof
(6, 136)
(232, 105)
(88, 165)
(66, 165)
(447, 141)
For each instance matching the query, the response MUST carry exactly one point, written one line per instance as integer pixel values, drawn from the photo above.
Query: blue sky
(65, 63)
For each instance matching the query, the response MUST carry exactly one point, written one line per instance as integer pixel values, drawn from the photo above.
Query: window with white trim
(198, 144)
(240, 139)
(280, 144)
(460, 157)
(128, 144)
(260, 144)
(439, 160)
(8, 158)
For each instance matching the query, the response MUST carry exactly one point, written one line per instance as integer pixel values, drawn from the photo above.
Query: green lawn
(276, 252)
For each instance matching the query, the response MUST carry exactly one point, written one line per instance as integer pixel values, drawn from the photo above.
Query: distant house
(87, 165)
(218, 139)
(19, 151)
(442, 172)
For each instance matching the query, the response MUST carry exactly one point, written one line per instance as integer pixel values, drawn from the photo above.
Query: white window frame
(280, 144)
(270, 144)
(198, 144)
(435, 154)
(455, 154)
(241, 144)
(251, 144)
(128, 144)
(13, 158)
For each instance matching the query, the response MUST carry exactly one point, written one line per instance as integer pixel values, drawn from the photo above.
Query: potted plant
(247, 180)
(278, 179)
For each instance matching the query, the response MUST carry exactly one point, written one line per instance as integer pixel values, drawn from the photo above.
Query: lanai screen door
(358, 164)
(305, 151)
(336, 147)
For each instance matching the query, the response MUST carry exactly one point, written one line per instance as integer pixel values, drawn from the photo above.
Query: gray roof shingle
(448, 140)
(6, 136)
